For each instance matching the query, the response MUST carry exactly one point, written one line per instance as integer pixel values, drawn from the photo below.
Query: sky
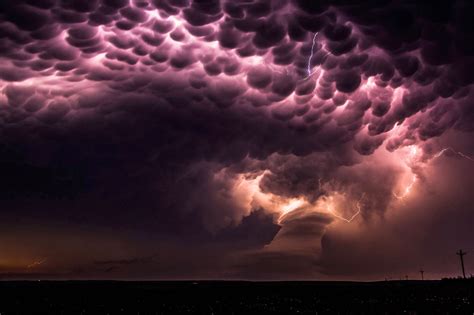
(245, 139)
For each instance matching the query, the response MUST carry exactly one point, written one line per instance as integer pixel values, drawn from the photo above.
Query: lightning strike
(36, 263)
(333, 212)
(412, 158)
(340, 217)
(312, 54)
(440, 153)
(407, 189)
(308, 70)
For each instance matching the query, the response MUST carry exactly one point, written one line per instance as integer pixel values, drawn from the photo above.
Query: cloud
(183, 119)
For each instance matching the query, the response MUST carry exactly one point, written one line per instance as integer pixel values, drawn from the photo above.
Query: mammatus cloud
(186, 118)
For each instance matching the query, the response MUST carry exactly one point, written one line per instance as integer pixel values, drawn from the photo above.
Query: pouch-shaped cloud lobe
(185, 118)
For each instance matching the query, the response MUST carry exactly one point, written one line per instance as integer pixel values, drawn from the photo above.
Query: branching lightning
(348, 220)
(407, 189)
(329, 203)
(440, 153)
(411, 158)
(331, 210)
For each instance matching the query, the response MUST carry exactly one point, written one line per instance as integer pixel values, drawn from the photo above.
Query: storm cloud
(273, 138)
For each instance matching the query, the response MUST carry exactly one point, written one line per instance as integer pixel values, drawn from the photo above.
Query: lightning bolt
(36, 263)
(312, 54)
(340, 217)
(410, 160)
(407, 189)
(331, 210)
(308, 70)
(440, 153)
(413, 153)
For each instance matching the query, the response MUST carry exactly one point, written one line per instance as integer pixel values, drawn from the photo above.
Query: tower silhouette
(422, 272)
(460, 253)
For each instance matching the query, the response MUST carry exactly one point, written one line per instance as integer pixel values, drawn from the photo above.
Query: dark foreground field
(396, 297)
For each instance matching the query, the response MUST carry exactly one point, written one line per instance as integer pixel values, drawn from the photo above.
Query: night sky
(236, 139)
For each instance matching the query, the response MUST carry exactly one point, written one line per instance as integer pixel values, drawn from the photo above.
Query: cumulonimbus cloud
(202, 97)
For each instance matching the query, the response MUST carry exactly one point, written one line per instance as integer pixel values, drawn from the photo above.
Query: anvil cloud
(267, 139)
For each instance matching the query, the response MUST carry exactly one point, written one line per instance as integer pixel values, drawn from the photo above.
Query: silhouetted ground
(92, 297)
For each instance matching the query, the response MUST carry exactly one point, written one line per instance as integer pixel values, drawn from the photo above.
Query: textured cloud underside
(331, 73)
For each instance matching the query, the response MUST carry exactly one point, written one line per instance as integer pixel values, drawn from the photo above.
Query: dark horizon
(426, 297)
